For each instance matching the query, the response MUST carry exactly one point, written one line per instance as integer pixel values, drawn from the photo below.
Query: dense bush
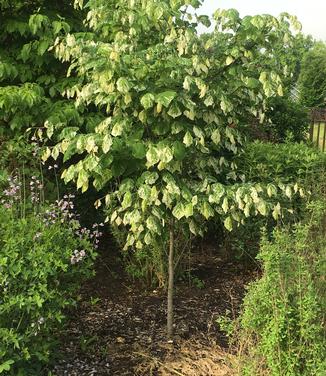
(44, 256)
(268, 162)
(282, 327)
(276, 163)
(287, 119)
(31, 79)
(312, 79)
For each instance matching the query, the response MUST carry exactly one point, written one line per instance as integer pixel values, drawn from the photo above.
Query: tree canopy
(31, 78)
(172, 105)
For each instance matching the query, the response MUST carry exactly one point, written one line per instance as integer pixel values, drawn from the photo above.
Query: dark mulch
(119, 326)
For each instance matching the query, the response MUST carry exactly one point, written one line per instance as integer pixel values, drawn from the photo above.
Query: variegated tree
(173, 106)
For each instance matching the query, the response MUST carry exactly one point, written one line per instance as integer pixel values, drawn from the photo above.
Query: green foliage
(16, 153)
(31, 78)
(296, 51)
(172, 104)
(149, 264)
(312, 79)
(286, 119)
(42, 264)
(277, 163)
(270, 163)
(282, 324)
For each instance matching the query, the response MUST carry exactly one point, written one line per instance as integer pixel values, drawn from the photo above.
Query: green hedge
(288, 162)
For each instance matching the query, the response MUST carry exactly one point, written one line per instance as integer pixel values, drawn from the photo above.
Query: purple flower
(77, 256)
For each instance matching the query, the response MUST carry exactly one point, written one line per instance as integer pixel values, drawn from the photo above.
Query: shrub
(148, 264)
(276, 163)
(268, 162)
(312, 79)
(287, 119)
(282, 327)
(44, 256)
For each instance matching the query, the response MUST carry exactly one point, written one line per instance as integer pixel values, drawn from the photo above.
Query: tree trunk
(171, 283)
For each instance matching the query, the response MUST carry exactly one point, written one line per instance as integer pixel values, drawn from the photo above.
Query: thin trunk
(171, 283)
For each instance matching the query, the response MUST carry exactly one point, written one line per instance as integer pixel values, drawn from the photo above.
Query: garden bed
(119, 326)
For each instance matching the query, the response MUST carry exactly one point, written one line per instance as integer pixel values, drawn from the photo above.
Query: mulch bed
(119, 326)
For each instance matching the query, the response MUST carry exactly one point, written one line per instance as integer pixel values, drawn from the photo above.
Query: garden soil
(118, 327)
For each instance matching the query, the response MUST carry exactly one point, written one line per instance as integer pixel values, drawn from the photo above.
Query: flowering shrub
(44, 256)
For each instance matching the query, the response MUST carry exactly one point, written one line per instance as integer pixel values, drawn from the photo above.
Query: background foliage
(312, 79)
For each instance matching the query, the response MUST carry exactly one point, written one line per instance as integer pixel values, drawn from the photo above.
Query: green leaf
(144, 192)
(43, 46)
(138, 150)
(117, 129)
(6, 365)
(55, 152)
(174, 111)
(179, 211)
(204, 20)
(216, 137)
(165, 153)
(82, 181)
(123, 85)
(127, 200)
(153, 224)
(46, 154)
(271, 190)
(187, 139)
(217, 192)
(277, 211)
(148, 238)
(229, 60)
(152, 156)
(147, 100)
(247, 210)
(25, 51)
(56, 27)
(188, 210)
(179, 151)
(165, 98)
(261, 207)
(228, 223)
(225, 205)
(107, 143)
(252, 83)
(90, 144)
(91, 162)
(206, 210)
(187, 82)
(209, 101)
(288, 191)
